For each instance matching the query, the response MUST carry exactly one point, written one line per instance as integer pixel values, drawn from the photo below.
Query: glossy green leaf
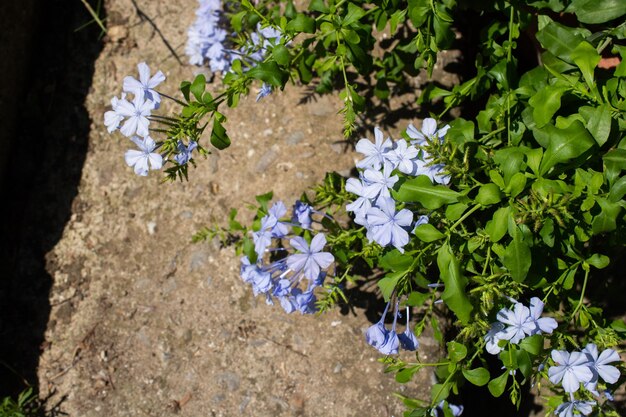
(394, 260)
(545, 104)
(417, 299)
(599, 261)
(477, 376)
(563, 144)
(388, 283)
(497, 227)
(353, 15)
(606, 221)
(219, 138)
(198, 86)
(597, 11)
(532, 344)
(498, 385)
(302, 23)
(319, 6)
(456, 351)
(560, 40)
(428, 233)
(281, 55)
(422, 190)
(517, 257)
(454, 295)
(586, 58)
(269, 72)
(598, 122)
(488, 194)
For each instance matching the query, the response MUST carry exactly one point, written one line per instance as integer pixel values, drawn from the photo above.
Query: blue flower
(407, 338)
(598, 364)
(378, 183)
(144, 159)
(403, 157)
(386, 227)
(113, 118)
(390, 345)
(572, 369)
(265, 91)
(136, 113)
(184, 152)
(144, 87)
(263, 237)
(363, 203)
(428, 133)
(542, 324)
(302, 214)
(277, 211)
(518, 323)
(374, 152)
(377, 333)
(311, 259)
(456, 410)
(420, 221)
(567, 408)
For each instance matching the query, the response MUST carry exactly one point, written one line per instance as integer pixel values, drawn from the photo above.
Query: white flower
(144, 87)
(573, 369)
(374, 152)
(599, 368)
(567, 408)
(144, 159)
(428, 133)
(542, 324)
(517, 321)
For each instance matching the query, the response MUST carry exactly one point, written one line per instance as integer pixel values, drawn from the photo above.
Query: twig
(156, 29)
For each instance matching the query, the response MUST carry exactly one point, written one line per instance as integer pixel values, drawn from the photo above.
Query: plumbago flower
(516, 324)
(184, 152)
(567, 408)
(144, 159)
(386, 341)
(572, 369)
(282, 278)
(386, 227)
(598, 364)
(311, 259)
(144, 87)
(429, 132)
(136, 113)
(374, 152)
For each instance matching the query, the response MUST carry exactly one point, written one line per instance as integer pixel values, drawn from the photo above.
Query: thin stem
(173, 99)
(465, 216)
(582, 293)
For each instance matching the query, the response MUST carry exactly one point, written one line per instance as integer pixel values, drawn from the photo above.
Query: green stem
(582, 293)
(465, 216)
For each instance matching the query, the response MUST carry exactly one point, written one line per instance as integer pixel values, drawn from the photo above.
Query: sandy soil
(143, 322)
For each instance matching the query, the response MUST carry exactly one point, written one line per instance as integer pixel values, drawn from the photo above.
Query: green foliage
(536, 195)
(26, 405)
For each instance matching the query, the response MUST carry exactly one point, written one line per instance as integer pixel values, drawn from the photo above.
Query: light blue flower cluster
(206, 37)
(586, 367)
(133, 117)
(283, 278)
(374, 207)
(456, 410)
(388, 341)
(517, 323)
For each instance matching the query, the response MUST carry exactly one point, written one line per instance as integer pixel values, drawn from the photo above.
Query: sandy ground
(143, 322)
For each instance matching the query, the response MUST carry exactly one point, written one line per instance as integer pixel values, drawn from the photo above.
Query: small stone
(266, 160)
(151, 227)
(337, 369)
(229, 380)
(117, 33)
(186, 214)
(295, 137)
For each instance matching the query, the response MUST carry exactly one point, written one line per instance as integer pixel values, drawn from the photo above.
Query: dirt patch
(142, 322)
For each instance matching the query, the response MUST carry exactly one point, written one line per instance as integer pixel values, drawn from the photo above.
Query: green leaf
(455, 211)
(354, 14)
(524, 363)
(498, 385)
(439, 392)
(419, 12)
(456, 351)
(488, 194)
(586, 58)
(517, 257)
(422, 190)
(618, 190)
(184, 88)
(396, 261)
(614, 162)
(417, 299)
(559, 39)
(597, 11)
(198, 86)
(264, 199)
(532, 344)
(598, 122)
(302, 23)
(545, 103)
(389, 282)
(454, 295)
(281, 55)
(406, 374)
(428, 233)
(319, 6)
(516, 185)
(219, 138)
(599, 261)
(478, 376)
(497, 227)
(269, 72)
(563, 144)
(606, 221)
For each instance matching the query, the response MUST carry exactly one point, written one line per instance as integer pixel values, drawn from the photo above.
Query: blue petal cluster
(388, 342)
(206, 38)
(374, 207)
(285, 278)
